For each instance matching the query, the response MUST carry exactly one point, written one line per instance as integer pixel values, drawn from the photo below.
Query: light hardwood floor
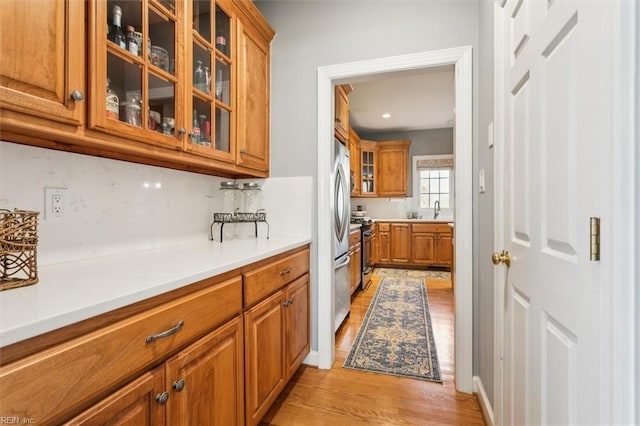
(341, 396)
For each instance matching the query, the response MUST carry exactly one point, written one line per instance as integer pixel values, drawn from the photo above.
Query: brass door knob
(502, 257)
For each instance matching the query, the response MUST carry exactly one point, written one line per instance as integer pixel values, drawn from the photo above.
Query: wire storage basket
(18, 248)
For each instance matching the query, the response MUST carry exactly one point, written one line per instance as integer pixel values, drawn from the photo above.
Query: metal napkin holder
(239, 217)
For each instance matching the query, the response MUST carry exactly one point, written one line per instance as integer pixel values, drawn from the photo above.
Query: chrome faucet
(436, 209)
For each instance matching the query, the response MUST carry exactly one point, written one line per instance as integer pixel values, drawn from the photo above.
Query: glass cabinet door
(137, 70)
(368, 173)
(211, 70)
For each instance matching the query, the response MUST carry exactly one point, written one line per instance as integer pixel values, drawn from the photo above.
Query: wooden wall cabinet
(202, 68)
(354, 162)
(341, 113)
(355, 256)
(383, 168)
(42, 68)
(368, 168)
(392, 170)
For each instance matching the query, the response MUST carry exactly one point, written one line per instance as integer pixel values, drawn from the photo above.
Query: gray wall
(311, 34)
(483, 221)
(423, 142)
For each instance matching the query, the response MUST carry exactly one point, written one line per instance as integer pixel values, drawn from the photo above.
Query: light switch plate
(481, 188)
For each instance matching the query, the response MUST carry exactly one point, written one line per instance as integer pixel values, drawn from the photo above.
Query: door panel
(554, 72)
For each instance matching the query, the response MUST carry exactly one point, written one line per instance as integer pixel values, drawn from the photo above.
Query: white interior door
(554, 98)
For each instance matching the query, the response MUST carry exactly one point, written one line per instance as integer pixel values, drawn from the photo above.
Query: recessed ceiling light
(386, 115)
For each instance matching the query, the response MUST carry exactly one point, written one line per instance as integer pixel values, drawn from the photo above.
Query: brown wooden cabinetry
(42, 67)
(193, 95)
(400, 236)
(383, 170)
(135, 403)
(354, 161)
(253, 96)
(206, 380)
(355, 256)
(415, 244)
(341, 111)
(368, 168)
(276, 329)
(179, 358)
(384, 243)
(392, 169)
(209, 370)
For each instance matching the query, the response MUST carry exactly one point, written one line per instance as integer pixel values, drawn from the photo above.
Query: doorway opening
(461, 58)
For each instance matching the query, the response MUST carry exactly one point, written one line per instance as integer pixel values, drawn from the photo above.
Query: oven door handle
(344, 263)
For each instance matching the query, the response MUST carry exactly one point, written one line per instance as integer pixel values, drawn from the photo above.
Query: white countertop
(353, 226)
(423, 220)
(75, 291)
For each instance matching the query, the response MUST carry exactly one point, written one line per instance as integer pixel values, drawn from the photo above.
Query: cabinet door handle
(77, 96)
(182, 131)
(179, 385)
(169, 332)
(285, 271)
(162, 398)
(285, 303)
(290, 300)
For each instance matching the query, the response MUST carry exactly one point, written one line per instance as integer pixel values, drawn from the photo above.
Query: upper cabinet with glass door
(135, 70)
(211, 74)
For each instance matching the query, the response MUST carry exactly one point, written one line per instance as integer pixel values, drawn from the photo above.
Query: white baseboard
(311, 359)
(485, 406)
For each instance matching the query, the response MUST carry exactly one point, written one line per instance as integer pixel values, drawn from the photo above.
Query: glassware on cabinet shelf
(223, 31)
(207, 79)
(195, 132)
(133, 109)
(198, 76)
(132, 43)
(205, 138)
(112, 103)
(115, 33)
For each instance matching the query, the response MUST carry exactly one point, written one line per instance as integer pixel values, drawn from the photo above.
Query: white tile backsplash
(117, 207)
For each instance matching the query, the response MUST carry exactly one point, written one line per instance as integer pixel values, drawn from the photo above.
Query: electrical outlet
(55, 203)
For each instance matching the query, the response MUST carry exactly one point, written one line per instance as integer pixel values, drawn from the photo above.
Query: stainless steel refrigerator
(341, 218)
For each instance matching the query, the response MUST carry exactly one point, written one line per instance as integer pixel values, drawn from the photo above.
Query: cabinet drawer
(383, 227)
(261, 282)
(431, 227)
(60, 380)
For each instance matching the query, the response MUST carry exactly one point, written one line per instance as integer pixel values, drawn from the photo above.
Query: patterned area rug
(396, 336)
(413, 273)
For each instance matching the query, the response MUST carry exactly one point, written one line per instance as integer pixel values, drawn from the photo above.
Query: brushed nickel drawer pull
(169, 332)
(286, 271)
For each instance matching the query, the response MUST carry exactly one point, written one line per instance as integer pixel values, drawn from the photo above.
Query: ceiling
(417, 100)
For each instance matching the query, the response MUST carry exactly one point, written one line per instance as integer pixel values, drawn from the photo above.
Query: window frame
(428, 212)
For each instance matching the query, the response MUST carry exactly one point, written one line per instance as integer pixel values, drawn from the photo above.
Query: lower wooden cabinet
(206, 381)
(276, 342)
(400, 242)
(134, 404)
(384, 243)
(415, 244)
(210, 370)
(355, 257)
(201, 357)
